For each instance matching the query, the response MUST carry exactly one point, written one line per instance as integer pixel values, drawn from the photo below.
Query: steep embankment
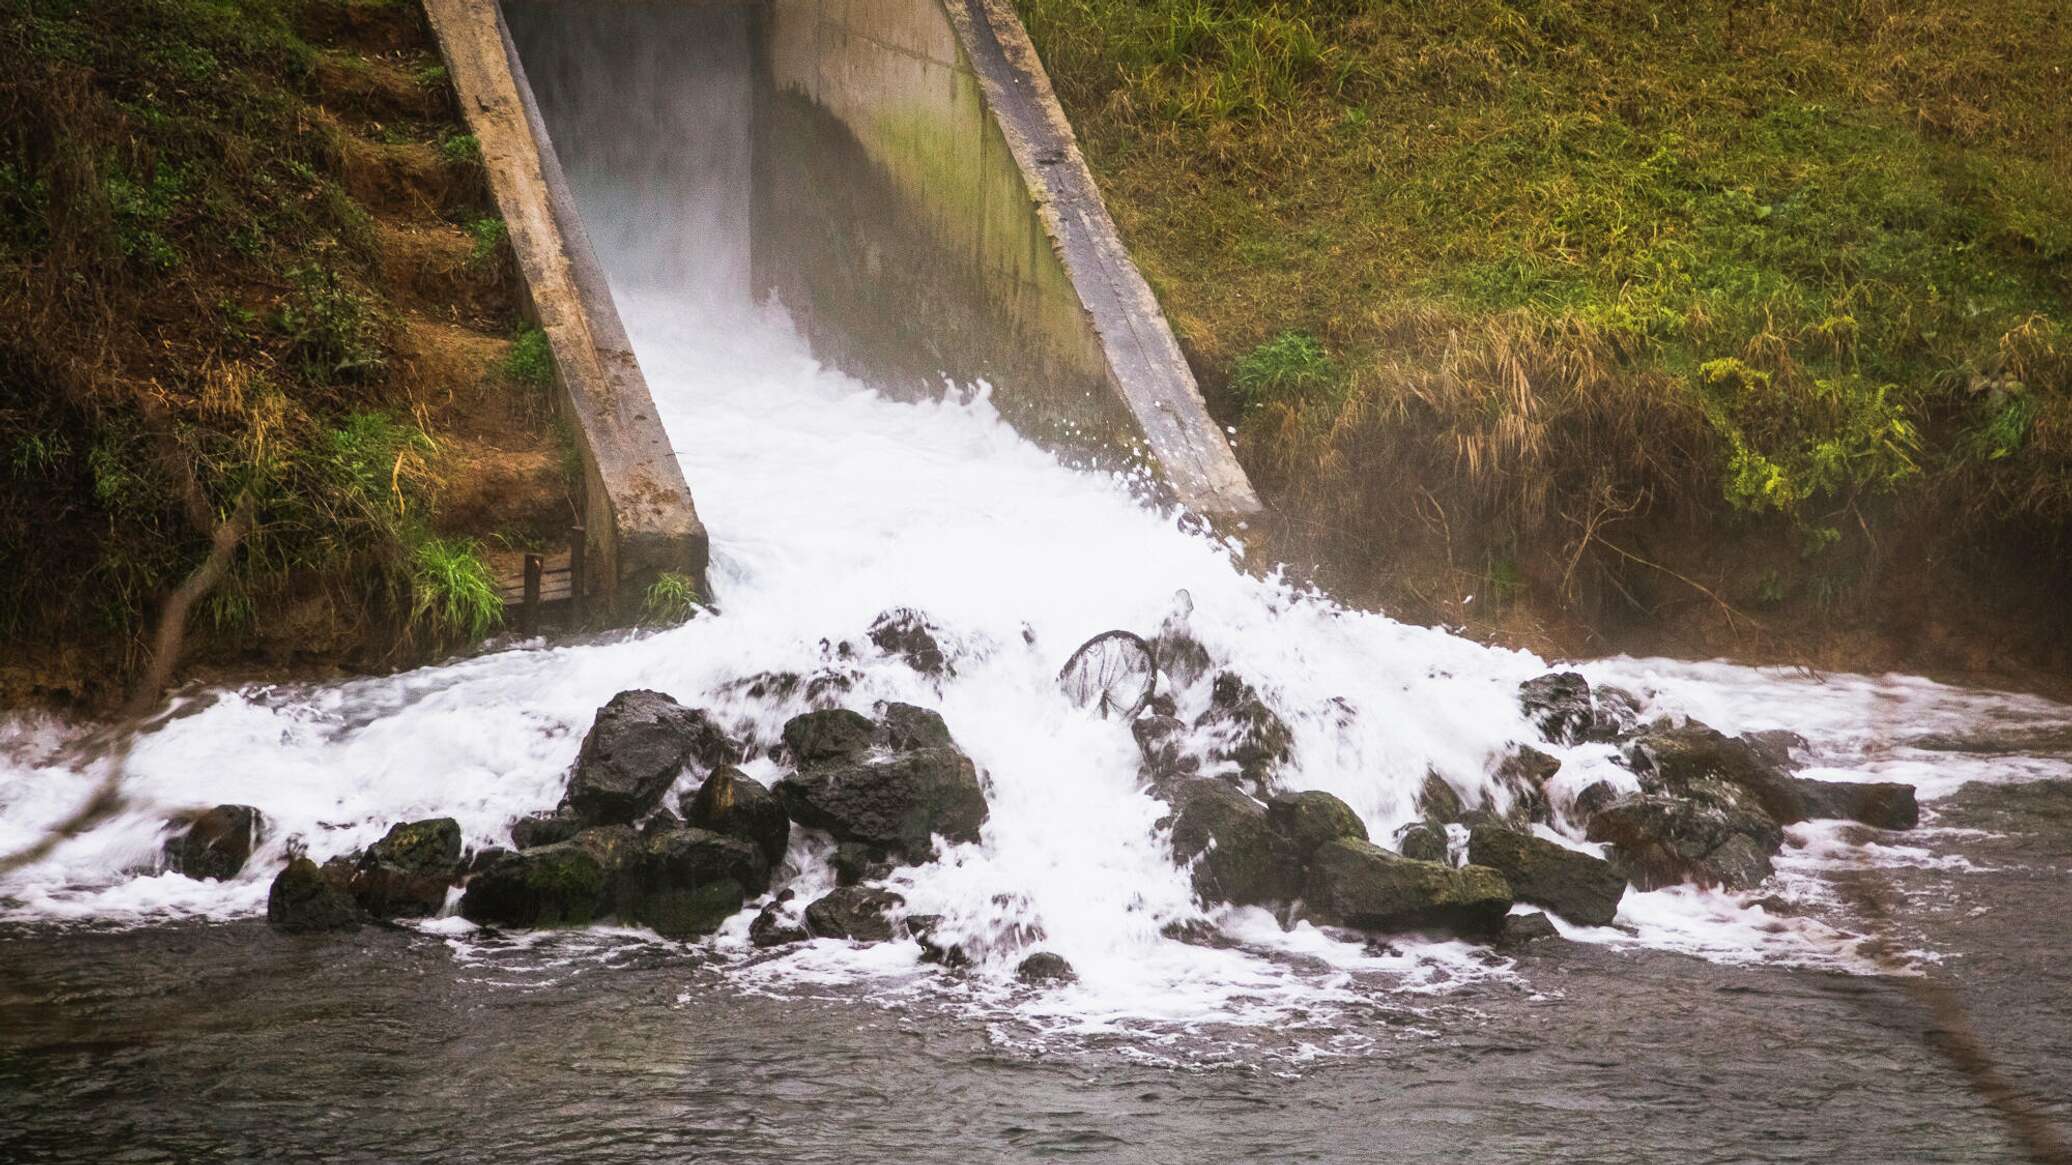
(247, 257)
(1698, 327)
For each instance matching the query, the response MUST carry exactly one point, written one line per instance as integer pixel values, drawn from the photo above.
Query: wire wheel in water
(1113, 672)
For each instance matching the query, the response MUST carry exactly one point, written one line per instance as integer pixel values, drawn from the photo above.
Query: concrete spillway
(917, 203)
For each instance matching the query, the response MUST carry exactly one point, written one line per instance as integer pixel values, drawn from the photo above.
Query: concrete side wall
(639, 516)
(923, 209)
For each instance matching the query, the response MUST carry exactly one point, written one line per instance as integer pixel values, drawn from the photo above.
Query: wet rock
(1883, 804)
(1045, 967)
(1423, 841)
(905, 728)
(1777, 747)
(771, 928)
(567, 883)
(854, 863)
(907, 634)
(1519, 929)
(407, 872)
(1577, 886)
(659, 822)
(1312, 818)
(1559, 705)
(1438, 801)
(1593, 798)
(1615, 712)
(731, 802)
(1663, 840)
(854, 912)
(1699, 762)
(1777, 905)
(1177, 653)
(482, 859)
(216, 843)
(545, 828)
(305, 900)
(1356, 883)
(934, 948)
(900, 802)
(687, 882)
(1238, 728)
(1238, 856)
(1162, 740)
(1523, 775)
(1197, 932)
(836, 734)
(639, 743)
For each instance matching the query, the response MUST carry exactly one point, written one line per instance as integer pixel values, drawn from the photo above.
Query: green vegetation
(489, 235)
(531, 361)
(1585, 264)
(194, 319)
(671, 598)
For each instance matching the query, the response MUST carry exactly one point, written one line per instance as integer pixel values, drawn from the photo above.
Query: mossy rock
(1359, 884)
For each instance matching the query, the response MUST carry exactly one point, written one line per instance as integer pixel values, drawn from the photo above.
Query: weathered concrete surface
(923, 209)
(639, 515)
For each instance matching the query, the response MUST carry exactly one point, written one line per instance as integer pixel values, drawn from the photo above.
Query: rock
(304, 900)
(545, 828)
(1240, 729)
(772, 929)
(1519, 929)
(907, 634)
(854, 862)
(1162, 740)
(854, 912)
(482, 859)
(1663, 840)
(1883, 804)
(899, 803)
(568, 883)
(659, 822)
(1045, 967)
(1424, 841)
(1238, 856)
(1176, 652)
(1524, 774)
(737, 805)
(1701, 763)
(1559, 705)
(1777, 747)
(1594, 797)
(934, 949)
(1577, 886)
(406, 873)
(687, 882)
(216, 844)
(1311, 818)
(1359, 884)
(836, 734)
(1437, 800)
(1614, 714)
(639, 743)
(905, 728)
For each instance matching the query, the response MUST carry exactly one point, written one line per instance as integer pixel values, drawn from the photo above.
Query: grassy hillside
(247, 257)
(1614, 312)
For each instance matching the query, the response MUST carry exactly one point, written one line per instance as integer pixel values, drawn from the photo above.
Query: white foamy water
(829, 503)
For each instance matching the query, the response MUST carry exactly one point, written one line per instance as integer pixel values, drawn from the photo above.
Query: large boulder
(686, 882)
(1045, 967)
(216, 843)
(1559, 705)
(1424, 841)
(568, 883)
(1239, 728)
(1238, 856)
(1662, 840)
(1883, 804)
(545, 828)
(854, 912)
(407, 872)
(1359, 884)
(1577, 886)
(735, 804)
(1312, 818)
(639, 743)
(306, 899)
(1693, 760)
(858, 783)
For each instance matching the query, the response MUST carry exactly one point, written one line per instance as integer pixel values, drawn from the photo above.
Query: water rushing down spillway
(830, 503)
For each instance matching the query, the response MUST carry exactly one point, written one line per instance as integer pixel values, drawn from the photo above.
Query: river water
(151, 1017)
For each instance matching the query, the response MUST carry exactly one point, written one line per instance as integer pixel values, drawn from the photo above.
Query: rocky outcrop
(407, 872)
(898, 800)
(1358, 884)
(1579, 887)
(1312, 818)
(306, 899)
(854, 912)
(1662, 840)
(907, 634)
(1045, 967)
(732, 803)
(545, 828)
(214, 845)
(683, 883)
(772, 927)
(1240, 729)
(1423, 841)
(1237, 854)
(639, 743)
(1882, 804)
(1566, 710)
(568, 883)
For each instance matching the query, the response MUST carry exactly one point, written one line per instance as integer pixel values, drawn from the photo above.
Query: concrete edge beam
(639, 518)
(1145, 364)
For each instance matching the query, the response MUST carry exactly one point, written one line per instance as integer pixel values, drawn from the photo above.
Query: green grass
(454, 594)
(531, 360)
(1530, 235)
(488, 235)
(670, 599)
